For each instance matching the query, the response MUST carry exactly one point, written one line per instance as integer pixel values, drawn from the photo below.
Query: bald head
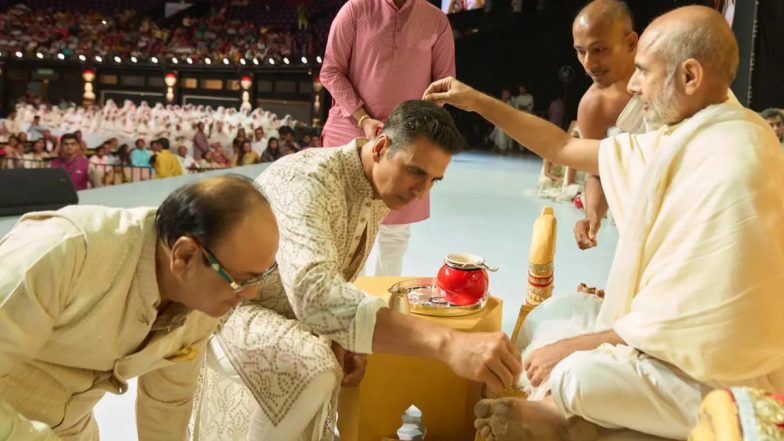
(694, 32)
(605, 42)
(210, 208)
(605, 14)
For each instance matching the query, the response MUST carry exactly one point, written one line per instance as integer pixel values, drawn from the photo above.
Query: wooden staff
(540, 281)
(540, 266)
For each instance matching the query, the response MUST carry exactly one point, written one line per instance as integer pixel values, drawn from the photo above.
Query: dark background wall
(529, 48)
(767, 76)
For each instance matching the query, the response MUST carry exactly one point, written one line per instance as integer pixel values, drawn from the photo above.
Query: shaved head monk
(693, 299)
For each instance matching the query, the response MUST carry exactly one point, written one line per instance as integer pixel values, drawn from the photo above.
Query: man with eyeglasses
(91, 297)
(272, 372)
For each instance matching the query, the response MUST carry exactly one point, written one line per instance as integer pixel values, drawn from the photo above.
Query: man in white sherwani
(272, 374)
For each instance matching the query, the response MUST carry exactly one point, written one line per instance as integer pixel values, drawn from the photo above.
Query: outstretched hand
(490, 358)
(451, 91)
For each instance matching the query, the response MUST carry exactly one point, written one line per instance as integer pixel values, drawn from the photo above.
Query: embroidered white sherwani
(695, 288)
(78, 318)
(280, 341)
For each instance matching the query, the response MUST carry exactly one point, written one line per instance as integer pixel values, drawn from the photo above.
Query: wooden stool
(393, 382)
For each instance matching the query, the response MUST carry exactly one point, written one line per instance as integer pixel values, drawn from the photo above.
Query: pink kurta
(377, 57)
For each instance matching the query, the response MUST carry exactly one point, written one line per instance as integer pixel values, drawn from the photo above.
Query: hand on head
(451, 91)
(371, 127)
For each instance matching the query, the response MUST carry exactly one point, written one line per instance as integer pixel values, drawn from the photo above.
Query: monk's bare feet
(514, 419)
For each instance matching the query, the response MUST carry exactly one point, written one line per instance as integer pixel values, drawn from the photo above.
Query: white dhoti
(618, 387)
(613, 386)
(303, 422)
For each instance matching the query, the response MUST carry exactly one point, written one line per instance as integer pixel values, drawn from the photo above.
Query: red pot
(463, 279)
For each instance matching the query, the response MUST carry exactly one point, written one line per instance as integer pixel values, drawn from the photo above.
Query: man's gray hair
(773, 113)
(421, 119)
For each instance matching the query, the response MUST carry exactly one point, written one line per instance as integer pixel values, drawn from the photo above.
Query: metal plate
(425, 298)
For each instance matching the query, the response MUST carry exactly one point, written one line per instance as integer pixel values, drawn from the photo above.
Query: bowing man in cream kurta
(694, 299)
(93, 296)
(78, 318)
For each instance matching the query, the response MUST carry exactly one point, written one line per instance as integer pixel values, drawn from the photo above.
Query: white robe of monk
(695, 287)
(697, 277)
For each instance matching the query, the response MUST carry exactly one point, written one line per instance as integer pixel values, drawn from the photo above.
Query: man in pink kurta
(379, 54)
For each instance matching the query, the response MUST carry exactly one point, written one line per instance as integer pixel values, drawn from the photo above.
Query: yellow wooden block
(393, 382)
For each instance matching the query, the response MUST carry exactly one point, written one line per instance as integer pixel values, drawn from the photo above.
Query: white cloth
(392, 243)
(695, 287)
(501, 140)
(618, 387)
(524, 102)
(613, 386)
(701, 246)
(187, 163)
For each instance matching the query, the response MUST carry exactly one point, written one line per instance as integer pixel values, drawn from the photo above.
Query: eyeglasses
(236, 286)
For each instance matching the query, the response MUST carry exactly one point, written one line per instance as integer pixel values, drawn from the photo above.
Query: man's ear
(693, 74)
(184, 254)
(631, 41)
(380, 147)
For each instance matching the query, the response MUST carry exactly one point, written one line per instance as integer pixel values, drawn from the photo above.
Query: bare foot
(514, 419)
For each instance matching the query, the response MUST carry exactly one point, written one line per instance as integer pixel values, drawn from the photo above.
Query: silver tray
(425, 298)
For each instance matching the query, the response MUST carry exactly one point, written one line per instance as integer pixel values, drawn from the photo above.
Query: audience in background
(224, 33)
(99, 172)
(287, 143)
(245, 156)
(140, 156)
(272, 153)
(70, 159)
(186, 161)
(37, 156)
(775, 118)
(164, 161)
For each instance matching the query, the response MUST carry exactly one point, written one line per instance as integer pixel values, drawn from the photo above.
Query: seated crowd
(177, 140)
(126, 33)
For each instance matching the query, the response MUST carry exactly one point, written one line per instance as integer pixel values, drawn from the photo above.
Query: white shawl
(698, 274)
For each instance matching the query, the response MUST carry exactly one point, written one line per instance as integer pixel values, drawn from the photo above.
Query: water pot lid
(466, 261)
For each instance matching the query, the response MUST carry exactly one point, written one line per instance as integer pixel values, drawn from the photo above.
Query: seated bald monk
(93, 296)
(693, 300)
(605, 43)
